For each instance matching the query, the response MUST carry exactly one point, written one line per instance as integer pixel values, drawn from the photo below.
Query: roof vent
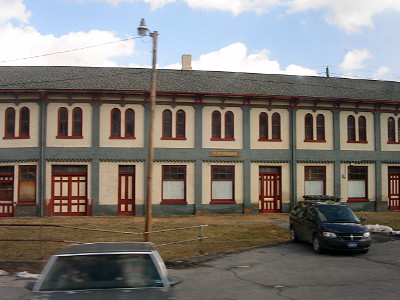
(186, 62)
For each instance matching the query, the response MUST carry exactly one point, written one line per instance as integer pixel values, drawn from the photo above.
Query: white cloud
(354, 59)
(350, 15)
(13, 10)
(380, 73)
(25, 41)
(235, 58)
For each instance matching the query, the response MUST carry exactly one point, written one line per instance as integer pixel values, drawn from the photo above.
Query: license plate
(351, 245)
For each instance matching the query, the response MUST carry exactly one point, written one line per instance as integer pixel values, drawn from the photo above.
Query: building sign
(224, 153)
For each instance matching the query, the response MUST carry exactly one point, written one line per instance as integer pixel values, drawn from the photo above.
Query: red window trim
(177, 125)
(164, 133)
(229, 127)
(312, 167)
(260, 126)
(362, 130)
(174, 138)
(357, 200)
(270, 140)
(27, 203)
(357, 142)
(393, 142)
(216, 125)
(352, 129)
(21, 123)
(69, 137)
(60, 110)
(276, 127)
(315, 141)
(320, 116)
(174, 201)
(116, 122)
(16, 137)
(130, 136)
(77, 122)
(122, 138)
(223, 201)
(6, 123)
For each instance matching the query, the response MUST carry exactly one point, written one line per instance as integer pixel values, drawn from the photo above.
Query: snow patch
(382, 229)
(26, 275)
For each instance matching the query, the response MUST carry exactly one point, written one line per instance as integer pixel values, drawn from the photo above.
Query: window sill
(174, 139)
(357, 200)
(269, 140)
(69, 137)
(173, 202)
(315, 141)
(16, 137)
(396, 143)
(223, 202)
(357, 142)
(222, 139)
(122, 138)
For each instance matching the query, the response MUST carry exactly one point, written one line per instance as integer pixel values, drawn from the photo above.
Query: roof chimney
(186, 62)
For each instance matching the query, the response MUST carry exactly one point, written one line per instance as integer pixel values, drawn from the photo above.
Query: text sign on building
(224, 153)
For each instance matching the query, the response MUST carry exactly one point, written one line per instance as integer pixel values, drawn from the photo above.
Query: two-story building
(74, 141)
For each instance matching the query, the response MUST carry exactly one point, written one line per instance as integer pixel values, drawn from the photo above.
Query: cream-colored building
(76, 143)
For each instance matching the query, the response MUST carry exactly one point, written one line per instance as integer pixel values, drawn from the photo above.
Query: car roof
(110, 247)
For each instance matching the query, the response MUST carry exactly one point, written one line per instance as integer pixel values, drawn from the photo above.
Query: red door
(126, 190)
(69, 191)
(394, 191)
(270, 200)
(6, 191)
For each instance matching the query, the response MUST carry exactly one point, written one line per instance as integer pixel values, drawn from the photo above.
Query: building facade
(74, 141)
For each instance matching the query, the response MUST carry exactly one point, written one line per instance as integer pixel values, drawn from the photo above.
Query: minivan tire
(316, 244)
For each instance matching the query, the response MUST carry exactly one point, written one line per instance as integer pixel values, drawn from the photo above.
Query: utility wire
(67, 51)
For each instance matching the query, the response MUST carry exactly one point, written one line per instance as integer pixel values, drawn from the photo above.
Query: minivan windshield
(337, 214)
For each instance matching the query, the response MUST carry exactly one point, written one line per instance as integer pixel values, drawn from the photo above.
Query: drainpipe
(42, 145)
(293, 146)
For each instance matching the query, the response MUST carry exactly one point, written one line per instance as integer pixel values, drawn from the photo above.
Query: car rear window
(103, 271)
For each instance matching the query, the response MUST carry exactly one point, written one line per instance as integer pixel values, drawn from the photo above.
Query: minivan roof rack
(321, 198)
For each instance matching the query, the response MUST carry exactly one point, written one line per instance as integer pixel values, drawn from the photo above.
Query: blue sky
(355, 38)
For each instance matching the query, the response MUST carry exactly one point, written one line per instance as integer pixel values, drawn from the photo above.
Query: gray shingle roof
(202, 82)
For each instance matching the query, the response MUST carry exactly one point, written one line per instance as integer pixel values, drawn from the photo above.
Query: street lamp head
(142, 29)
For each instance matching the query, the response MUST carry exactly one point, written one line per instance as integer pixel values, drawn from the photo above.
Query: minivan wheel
(293, 235)
(364, 251)
(317, 245)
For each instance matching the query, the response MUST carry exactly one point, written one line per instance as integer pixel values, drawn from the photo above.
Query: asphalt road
(293, 271)
(288, 271)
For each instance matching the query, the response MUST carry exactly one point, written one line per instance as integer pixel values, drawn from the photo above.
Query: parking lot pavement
(288, 271)
(293, 271)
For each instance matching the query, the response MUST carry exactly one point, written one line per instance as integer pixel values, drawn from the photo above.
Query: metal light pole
(143, 31)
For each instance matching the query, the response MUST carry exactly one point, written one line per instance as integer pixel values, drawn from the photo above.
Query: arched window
(309, 127)
(263, 126)
(130, 123)
(391, 130)
(115, 123)
(229, 125)
(167, 124)
(351, 128)
(216, 125)
(276, 126)
(398, 129)
(77, 122)
(362, 129)
(10, 122)
(180, 124)
(320, 127)
(62, 122)
(24, 119)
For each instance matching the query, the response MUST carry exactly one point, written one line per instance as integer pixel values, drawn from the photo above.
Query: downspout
(293, 146)
(42, 162)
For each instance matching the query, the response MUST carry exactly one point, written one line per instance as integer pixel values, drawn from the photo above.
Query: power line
(67, 51)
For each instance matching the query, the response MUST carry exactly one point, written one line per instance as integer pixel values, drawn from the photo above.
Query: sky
(353, 38)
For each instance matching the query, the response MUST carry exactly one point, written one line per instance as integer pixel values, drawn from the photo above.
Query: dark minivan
(328, 225)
